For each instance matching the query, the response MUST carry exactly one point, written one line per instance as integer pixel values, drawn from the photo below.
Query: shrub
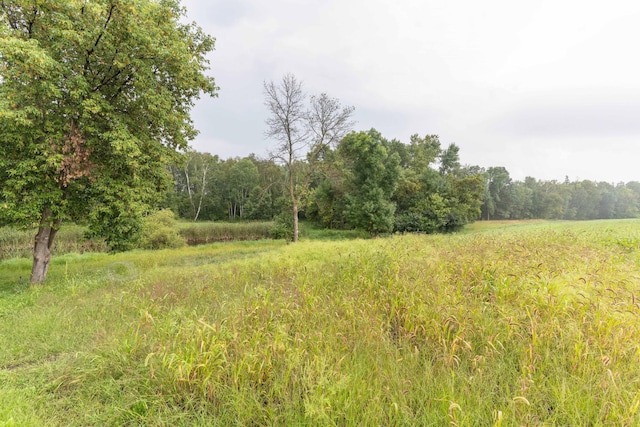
(283, 227)
(160, 230)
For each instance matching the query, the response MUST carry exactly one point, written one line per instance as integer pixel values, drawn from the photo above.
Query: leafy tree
(520, 198)
(450, 159)
(264, 197)
(585, 200)
(94, 98)
(243, 177)
(627, 202)
(416, 159)
(466, 193)
(424, 151)
(441, 200)
(607, 205)
(403, 151)
(496, 193)
(193, 181)
(327, 202)
(548, 198)
(373, 181)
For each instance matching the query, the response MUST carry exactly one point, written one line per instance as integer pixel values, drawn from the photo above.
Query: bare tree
(328, 122)
(287, 125)
(302, 131)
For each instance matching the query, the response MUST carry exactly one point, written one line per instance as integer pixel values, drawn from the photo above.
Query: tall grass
(209, 232)
(536, 325)
(17, 243)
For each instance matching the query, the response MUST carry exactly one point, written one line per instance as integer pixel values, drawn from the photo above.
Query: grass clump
(535, 325)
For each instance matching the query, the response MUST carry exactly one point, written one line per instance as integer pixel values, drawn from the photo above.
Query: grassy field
(503, 324)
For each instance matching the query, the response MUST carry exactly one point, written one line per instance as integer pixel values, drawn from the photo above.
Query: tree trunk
(189, 192)
(295, 221)
(42, 246)
(203, 191)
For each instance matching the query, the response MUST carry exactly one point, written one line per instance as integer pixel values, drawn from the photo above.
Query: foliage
(374, 174)
(243, 178)
(433, 193)
(282, 227)
(585, 200)
(496, 193)
(526, 323)
(94, 96)
(195, 175)
(436, 200)
(160, 231)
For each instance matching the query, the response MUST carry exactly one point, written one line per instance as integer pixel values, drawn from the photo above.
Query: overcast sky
(544, 88)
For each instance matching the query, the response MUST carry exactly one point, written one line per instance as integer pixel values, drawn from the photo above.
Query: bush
(283, 227)
(160, 230)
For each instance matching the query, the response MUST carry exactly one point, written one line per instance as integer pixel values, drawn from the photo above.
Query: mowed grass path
(531, 324)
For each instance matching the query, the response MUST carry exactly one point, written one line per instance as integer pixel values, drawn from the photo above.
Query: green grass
(531, 324)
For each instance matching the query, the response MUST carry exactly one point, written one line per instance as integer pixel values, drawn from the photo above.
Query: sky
(549, 89)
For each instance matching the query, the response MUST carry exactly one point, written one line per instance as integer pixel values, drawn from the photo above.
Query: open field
(504, 324)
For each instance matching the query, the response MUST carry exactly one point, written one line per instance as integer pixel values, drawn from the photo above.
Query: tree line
(505, 198)
(381, 185)
(366, 182)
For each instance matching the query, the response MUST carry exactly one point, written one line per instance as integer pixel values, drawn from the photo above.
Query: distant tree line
(505, 198)
(379, 185)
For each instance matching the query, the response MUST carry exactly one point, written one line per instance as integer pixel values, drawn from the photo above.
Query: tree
(243, 177)
(520, 201)
(441, 200)
(627, 205)
(497, 187)
(584, 201)
(194, 177)
(287, 125)
(450, 159)
(94, 99)
(302, 131)
(374, 178)
(266, 194)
